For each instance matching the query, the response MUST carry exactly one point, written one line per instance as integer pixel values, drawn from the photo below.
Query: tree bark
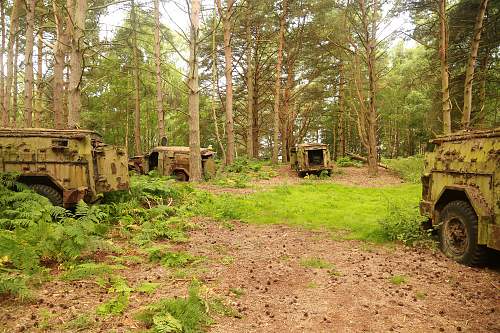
(286, 125)
(443, 49)
(14, 22)
(159, 91)
(14, 85)
(215, 80)
(76, 26)
(469, 73)
(250, 88)
(5, 113)
(341, 117)
(137, 100)
(370, 44)
(39, 79)
(59, 64)
(194, 95)
(255, 108)
(228, 56)
(277, 84)
(28, 56)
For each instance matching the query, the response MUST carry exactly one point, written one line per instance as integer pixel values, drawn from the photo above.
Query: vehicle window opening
(315, 157)
(153, 161)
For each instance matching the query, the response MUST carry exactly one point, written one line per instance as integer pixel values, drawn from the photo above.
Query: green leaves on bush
(403, 223)
(344, 162)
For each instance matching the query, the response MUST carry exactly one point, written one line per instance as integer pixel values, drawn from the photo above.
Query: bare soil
(260, 272)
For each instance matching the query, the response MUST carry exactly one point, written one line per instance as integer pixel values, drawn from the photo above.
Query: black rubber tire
(181, 176)
(462, 246)
(49, 192)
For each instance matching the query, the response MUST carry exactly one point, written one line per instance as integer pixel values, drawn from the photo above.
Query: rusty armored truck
(173, 161)
(65, 166)
(310, 158)
(461, 193)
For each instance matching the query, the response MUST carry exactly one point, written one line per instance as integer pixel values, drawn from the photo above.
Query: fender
(483, 211)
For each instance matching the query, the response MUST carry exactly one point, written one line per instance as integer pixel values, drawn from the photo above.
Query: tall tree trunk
(137, 100)
(341, 117)
(469, 73)
(159, 91)
(482, 90)
(228, 56)
(287, 131)
(443, 50)
(250, 88)
(5, 113)
(277, 84)
(215, 80)
(39, 78)
(371, 117)
(194, 95)
(59, 64)
(28, 56)
(77, 32)
(14, 85)
(14, 22)
(255, 108)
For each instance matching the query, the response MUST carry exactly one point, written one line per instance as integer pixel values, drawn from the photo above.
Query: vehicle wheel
(180, 176)
(458, 234)
(49, 192)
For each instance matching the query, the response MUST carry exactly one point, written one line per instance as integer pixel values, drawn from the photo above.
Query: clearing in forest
(286, 255)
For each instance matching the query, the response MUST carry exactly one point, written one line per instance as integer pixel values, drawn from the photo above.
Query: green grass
(315, 263)
(408, 168)
(398, 279)
(352, 212)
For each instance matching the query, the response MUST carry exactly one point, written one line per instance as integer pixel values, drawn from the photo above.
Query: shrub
(343, 162)
(403, 223)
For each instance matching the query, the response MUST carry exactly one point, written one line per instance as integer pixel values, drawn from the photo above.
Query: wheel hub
(457, 239)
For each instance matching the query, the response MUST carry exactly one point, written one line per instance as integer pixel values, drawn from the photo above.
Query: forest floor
(280, 278)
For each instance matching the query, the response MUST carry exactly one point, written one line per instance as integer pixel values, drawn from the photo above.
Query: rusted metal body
(173, 161)
(75, 163)
(310, 158)
(465, 167)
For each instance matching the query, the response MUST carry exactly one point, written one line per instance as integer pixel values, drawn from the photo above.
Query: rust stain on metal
(76, 163)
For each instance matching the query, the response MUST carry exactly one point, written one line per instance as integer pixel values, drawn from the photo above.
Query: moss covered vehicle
(310, 158)
(461, 193)
(173, 161)
(65, 166)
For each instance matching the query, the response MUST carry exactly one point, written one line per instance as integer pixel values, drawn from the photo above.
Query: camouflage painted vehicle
(173, 161)
(310, 158)
(461, 193)
(65, 166)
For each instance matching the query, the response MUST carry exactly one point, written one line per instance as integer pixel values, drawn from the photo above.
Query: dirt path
(265, 274)
(356, 294)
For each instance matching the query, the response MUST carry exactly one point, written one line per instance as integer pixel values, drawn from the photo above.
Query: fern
(15, 285)
(187, 315)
